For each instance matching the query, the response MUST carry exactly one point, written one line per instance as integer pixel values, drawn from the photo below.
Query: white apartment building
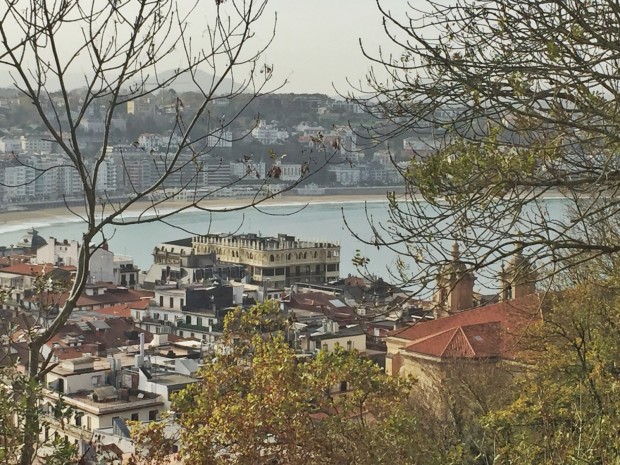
(248, 170)
(8, 145)
(36, 144)
(268, 134)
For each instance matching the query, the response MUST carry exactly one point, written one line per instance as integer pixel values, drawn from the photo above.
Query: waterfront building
(275, 261)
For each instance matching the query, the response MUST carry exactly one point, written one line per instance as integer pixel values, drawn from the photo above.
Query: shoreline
(26, 217)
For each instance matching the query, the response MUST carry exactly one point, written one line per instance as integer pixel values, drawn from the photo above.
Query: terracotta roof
(118, 332)
(141, 304)
(491, 331)
(121, 310)
(28, 269)
(112, 297)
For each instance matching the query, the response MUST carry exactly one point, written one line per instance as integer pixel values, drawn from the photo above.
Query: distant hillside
(184, 82)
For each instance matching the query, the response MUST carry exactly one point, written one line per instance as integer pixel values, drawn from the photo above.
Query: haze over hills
(183, 83)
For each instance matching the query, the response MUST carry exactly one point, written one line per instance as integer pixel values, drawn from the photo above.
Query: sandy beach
(26, 216)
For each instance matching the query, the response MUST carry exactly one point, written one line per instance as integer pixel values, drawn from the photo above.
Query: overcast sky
(316, 46)
(317, 41)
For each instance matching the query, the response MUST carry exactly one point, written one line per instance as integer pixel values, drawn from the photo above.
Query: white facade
(346, 175)
(59, 252)
(220, 138)
(248, 170)
(102, 266)
(290, 171)
(36, 144)
(268, 134)
(10, 145)
(19, 182)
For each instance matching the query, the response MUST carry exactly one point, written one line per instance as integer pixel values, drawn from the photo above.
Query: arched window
(329, 254)
(271, 258)
(305, 255)
(288, 257)
(316, 254)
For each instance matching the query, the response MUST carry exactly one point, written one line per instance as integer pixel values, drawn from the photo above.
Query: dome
(31, 240)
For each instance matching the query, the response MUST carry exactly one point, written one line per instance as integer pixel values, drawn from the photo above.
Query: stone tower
(518, 279)
(455, 287)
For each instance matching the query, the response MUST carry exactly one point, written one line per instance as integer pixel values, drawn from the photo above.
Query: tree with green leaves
(257, 402)
(509, 109)
(567, 407)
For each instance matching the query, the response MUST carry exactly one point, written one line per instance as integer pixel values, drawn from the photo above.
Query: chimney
(141, 336)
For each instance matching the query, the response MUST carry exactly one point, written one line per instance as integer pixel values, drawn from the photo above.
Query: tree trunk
(30, 434)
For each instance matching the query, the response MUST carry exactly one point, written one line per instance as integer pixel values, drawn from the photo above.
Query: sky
(316, 47)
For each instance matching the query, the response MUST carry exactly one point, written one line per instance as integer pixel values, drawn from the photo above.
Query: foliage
(567, 408)
(508, 103)
(258, 402)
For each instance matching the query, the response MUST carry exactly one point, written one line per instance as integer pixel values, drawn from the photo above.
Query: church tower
(455, 287)
(518, 279)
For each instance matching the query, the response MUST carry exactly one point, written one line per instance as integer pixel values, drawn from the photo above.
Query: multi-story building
(8, 145)
(275, 261)
(92, 388)
(269, 134)
(219, 138)
(36, 144)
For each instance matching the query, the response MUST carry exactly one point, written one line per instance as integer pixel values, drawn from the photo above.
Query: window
(271, 258)
(171, 302)
(161, 300)
(324, 347)
(188, 319)
(182, 303)
(165, 317)
(152, 415)
(137, 315)
(181, 333)
(88, 424)
(135, 417)
(349, 345)
(198, 321)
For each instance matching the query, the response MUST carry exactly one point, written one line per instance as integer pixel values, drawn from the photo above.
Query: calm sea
(319, 222)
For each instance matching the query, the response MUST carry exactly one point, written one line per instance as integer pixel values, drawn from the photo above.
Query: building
(275, 261)
(455, 287)
(464, 329)
(484, 334)
(104, 265)
(193, 311)
(93, 390)
(176, 263)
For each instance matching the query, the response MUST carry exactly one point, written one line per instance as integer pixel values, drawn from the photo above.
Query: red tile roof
(28, 269)
(121, 310)
(492, 331)
(120, 332)
(112, 297)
